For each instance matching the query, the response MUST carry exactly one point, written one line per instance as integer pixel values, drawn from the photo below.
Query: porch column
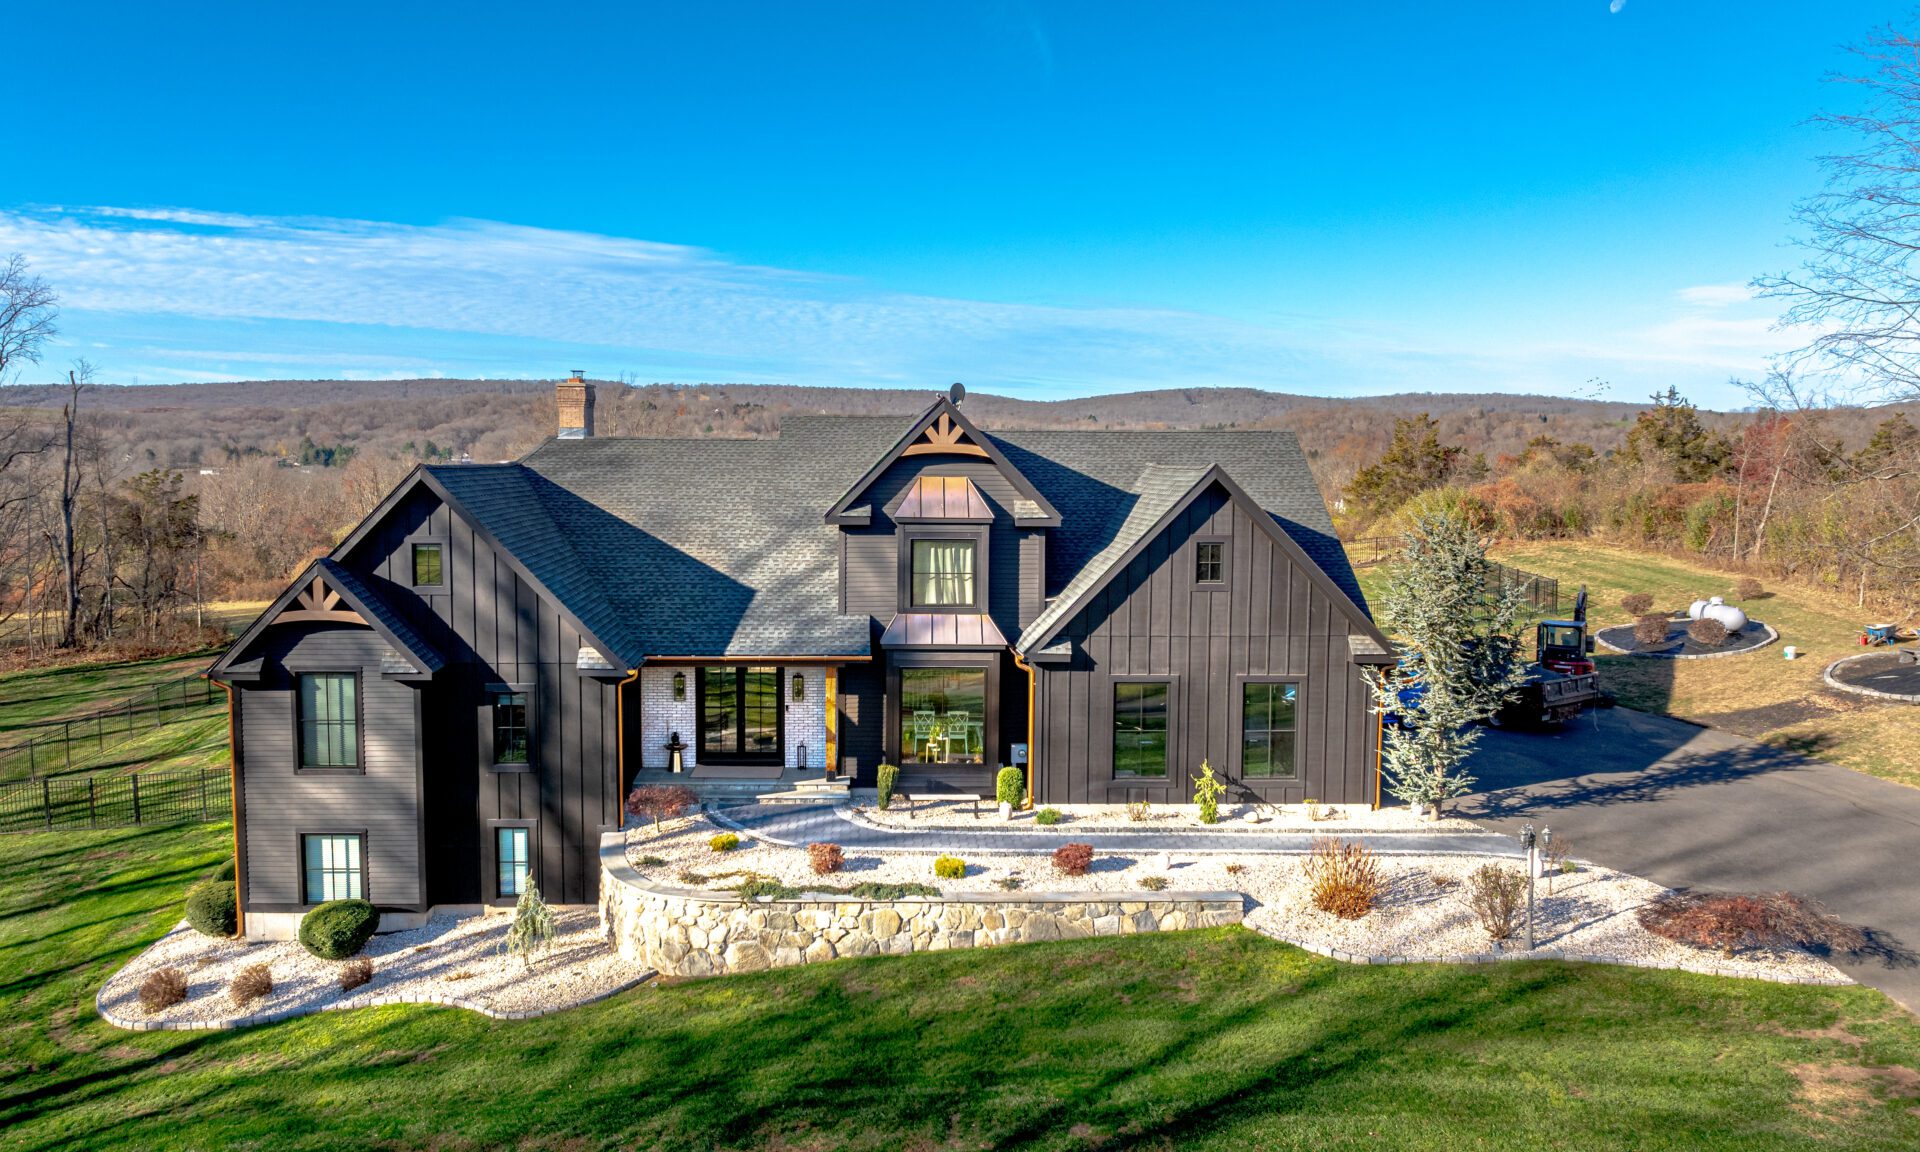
(833, 718)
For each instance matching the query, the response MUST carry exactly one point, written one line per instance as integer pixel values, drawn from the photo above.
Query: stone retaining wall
(686, 932)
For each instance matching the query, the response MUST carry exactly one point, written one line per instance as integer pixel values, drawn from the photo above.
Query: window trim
(977, 535)
(991, 756)
(1114, 779)
(531, 692)
(359, 765)
(490, 851)
(300, 861)
(1238, 762)
(740, 757)
(440, 542)
(1226, 564)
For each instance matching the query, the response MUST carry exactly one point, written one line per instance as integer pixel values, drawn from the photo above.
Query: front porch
(772, 783)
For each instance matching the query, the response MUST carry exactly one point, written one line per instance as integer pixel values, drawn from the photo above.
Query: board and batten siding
(383, 800)
(495, 628)
(1152, 621)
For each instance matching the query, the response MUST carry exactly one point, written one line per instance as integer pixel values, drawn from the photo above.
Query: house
(460, 695)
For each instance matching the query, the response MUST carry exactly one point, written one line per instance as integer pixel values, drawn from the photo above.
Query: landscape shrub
(225, 871)
(163, 989)
(339, 928)
(1154, 883)
(1637, 604)
(1008, 883)
(758, 886)
(1343, 878)
(1236, 869)
(950, 868)
(658, 802)
(1073, 859)
(254, 982)
(1747, 588)
(210, 909)
(1207, 790)
(724, 842)
(1048, 816)
(533, 929)
(650, 862)
(826, 858)
(1707, 632)
(1010, 786)
(1137, 810)
(886, 778)
(355, 972)
(1732, 921)
(876, 890)
(1496, 895)
(1650, 631)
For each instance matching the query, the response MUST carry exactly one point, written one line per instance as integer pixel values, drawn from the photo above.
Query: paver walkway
(799, 824)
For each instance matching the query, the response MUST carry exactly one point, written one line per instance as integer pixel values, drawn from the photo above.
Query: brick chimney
(573, 397)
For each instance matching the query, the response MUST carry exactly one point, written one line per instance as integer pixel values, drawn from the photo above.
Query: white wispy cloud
(181, 294)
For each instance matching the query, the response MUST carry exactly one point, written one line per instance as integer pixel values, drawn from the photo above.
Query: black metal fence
(64, 803)
(63, 746)
(1542, 592)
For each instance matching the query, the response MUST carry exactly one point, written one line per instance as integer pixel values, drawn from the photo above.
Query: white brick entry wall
(661, 715)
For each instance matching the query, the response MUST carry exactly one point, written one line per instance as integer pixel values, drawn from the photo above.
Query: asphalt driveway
(1694, 807)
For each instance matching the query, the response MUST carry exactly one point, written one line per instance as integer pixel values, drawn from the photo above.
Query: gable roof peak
(942, 430)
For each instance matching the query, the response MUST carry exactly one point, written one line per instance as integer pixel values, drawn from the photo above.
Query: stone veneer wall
(661, 715)
(688, 933)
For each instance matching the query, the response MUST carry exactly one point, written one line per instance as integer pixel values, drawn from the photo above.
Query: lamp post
(1528, 842)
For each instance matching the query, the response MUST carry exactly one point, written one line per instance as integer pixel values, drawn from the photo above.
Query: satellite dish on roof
(957, 393)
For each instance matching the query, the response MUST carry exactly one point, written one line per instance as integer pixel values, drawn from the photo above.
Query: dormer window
(943, 573)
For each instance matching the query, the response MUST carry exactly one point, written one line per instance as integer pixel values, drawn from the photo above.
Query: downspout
(233, 801)
(620, 741)
(1032, 678)
(1379, 742)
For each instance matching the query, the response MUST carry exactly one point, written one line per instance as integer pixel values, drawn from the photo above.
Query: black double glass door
(740, 715)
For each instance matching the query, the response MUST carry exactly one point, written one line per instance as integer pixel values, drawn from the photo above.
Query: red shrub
(657, 802)
(825, 858)
(1073, 859)
(1731, 921)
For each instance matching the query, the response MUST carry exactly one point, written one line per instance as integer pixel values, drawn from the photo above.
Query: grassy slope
(37, 695)
(1216, 1039)
(195, 737)
(1761, 695)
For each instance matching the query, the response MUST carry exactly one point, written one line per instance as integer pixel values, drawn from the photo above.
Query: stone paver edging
(1771, 636)
(1703, 967)
(1841, 685)
(226, 1023)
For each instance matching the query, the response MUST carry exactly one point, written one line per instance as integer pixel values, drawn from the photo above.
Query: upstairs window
(427, 569)
(510, 733)
(943, 574)
(1210, 562)
(329, 714)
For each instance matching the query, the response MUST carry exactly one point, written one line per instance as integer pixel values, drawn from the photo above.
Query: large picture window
(1140, 728)
(943, 715)
(513, 855)
(740, 715)
(1269, 717)
(942, 573)
(333, 867)
(510, 732)
(329, 714)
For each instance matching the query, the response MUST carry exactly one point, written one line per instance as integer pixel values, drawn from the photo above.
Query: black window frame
(414, 545)
(489, 729)
(1114, 774)
(300, 838)
(359, 765)
(977, 536)
(778, 754)
(890, 712)
(1241, 684)
(491, 854)
(1225, 545)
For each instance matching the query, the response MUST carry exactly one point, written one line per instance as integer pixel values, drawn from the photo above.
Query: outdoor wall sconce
(679, 685)
(799, 687)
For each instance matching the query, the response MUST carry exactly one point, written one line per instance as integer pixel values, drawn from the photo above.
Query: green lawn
(195, 735)
(37, 695)
(1218, 1039)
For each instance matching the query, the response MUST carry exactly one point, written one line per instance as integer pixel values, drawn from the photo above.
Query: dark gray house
(459, 696)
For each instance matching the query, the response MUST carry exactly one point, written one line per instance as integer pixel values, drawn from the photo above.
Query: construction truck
(1561, 682)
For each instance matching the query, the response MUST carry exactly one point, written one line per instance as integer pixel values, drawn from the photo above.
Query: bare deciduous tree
(28, 308)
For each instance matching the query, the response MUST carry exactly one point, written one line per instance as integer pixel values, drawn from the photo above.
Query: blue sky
(1043, 199)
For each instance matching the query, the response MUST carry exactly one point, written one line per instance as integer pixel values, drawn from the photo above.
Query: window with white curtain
(943, 573)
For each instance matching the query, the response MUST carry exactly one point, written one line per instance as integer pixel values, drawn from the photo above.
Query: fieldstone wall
(690, 933)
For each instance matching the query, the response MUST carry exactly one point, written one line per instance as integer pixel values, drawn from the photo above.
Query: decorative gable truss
(330, 593)
(319, 604)
(942, 431)
(944, 436)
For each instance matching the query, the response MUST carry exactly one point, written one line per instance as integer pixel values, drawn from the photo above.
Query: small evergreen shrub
(650, 862)
(1650, 631)
(225, 871)
(210, 909)
(1009, 883)
(658, 802)
(886, 778)
(1747, 588)
(1710, 633)
(1732, 921)
(339, 928)
(950, 868)
(876, 890)
(1637, 603)
(254, 982)
(693, 879)
(1207, 790)
(163, 989)
(1496, 894)
(1073, 859)
(1343, 878)
(724, 842)
(355, 973)
(532, 931)
(1048, 816)
(825, 858)
(1010, 786)
(1154, 883)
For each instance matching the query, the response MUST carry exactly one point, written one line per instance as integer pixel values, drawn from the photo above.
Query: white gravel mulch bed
(449, 960)
(1333, 819)
(1423, 914)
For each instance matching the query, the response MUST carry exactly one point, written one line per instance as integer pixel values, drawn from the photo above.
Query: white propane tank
(1694, 609)
(1733, 619)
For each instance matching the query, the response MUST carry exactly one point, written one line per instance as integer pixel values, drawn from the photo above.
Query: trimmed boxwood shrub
(1010, 786)
(210, 909)
(339, 928)
(225, 871)
(724, 842)
(950, 868)
(1048, 816)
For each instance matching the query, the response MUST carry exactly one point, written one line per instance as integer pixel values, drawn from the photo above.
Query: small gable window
(427, 569)
(943, 573)
(1210, 562)
(510, 742)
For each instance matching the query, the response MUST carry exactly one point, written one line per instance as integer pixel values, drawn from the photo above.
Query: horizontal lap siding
(1271, 619)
